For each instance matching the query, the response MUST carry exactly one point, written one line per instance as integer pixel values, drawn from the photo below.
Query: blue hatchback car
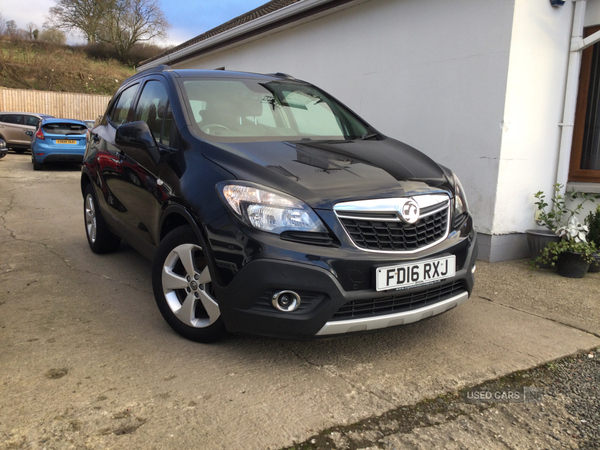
(58, 140)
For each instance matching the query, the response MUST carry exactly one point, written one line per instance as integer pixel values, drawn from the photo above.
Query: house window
(585, 153)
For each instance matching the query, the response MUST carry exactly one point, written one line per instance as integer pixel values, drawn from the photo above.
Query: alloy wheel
(186, 285)
(90, 218)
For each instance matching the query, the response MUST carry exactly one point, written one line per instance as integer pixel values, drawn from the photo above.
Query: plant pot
(595, 265)
(537, 241)
(572, 265)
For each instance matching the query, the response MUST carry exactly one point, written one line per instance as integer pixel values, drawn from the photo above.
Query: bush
(593, 222)
(553, 250)
(104, 51)
(98, 51)
(558, 215)
(53, 35)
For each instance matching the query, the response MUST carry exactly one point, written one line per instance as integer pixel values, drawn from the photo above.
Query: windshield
(248, 110)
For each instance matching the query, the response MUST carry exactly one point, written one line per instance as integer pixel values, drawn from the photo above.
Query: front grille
(408, 301)
(397, 236)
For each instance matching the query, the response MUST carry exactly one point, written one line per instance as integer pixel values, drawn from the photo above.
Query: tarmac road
(86, 360)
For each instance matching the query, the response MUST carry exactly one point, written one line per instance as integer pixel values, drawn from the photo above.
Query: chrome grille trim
(385, 218)
(386, 210)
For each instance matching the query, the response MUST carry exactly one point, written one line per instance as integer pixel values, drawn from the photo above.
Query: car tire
(182, 286)
(36, 165)
(99, 237)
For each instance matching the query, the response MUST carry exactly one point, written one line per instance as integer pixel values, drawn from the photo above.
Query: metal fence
(65, 105)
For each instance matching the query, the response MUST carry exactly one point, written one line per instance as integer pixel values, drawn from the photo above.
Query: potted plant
(593, 222)
(552, 216)
(572, 254)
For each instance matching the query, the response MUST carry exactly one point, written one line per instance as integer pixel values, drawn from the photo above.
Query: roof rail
(281, 75)
(160, 68)
(155, 69)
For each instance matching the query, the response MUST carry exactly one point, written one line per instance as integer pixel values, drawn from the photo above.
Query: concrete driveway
(86, 360)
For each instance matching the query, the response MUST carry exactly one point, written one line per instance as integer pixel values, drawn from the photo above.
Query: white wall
(430, 73)
(592, 13)
(534, 102)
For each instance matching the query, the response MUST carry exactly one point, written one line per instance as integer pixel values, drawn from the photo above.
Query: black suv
(270, 208)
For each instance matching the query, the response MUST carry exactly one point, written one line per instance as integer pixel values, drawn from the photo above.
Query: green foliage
(551, 252)
(593, 222)
(559, 214)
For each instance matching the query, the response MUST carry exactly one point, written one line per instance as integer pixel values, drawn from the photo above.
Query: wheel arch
(84, 181)
(176, 216)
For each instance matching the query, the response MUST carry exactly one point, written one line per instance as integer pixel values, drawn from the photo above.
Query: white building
(487, 88)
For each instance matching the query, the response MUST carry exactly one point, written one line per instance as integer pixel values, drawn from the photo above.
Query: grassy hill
(26, 64)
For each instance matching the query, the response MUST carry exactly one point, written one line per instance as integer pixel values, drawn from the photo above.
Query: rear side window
(32, 121)
(13, 118)
(65, 129)
(121, 109)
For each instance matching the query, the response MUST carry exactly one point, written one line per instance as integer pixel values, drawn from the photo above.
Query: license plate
(415, 273)
(66, 141)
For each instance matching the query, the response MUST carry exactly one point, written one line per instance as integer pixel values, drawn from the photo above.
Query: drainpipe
(568, 121)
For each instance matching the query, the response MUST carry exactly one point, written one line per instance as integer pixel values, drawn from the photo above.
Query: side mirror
(29, 133)
(137, 135)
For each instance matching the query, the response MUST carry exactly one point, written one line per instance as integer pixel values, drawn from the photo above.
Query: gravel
(565, 415)
(578, 379)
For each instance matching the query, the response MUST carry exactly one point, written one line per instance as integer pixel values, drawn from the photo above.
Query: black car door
(107, 158)
(140, 190)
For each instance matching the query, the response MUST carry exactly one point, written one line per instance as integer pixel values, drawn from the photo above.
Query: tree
(83, 16)
(133, 21)
(11, 28)
(2, 25)
(31, 29)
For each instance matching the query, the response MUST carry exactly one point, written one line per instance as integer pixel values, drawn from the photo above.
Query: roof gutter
(249, 27)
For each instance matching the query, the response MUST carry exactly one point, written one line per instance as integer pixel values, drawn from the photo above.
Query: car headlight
(460, 199)
(268, 210)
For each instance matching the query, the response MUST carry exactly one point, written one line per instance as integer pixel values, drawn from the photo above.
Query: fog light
(286, 301)
(473, 269)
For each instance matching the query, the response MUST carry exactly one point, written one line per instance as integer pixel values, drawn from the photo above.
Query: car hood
(325, 173)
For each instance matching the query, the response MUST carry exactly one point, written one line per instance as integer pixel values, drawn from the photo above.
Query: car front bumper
(332, 303)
